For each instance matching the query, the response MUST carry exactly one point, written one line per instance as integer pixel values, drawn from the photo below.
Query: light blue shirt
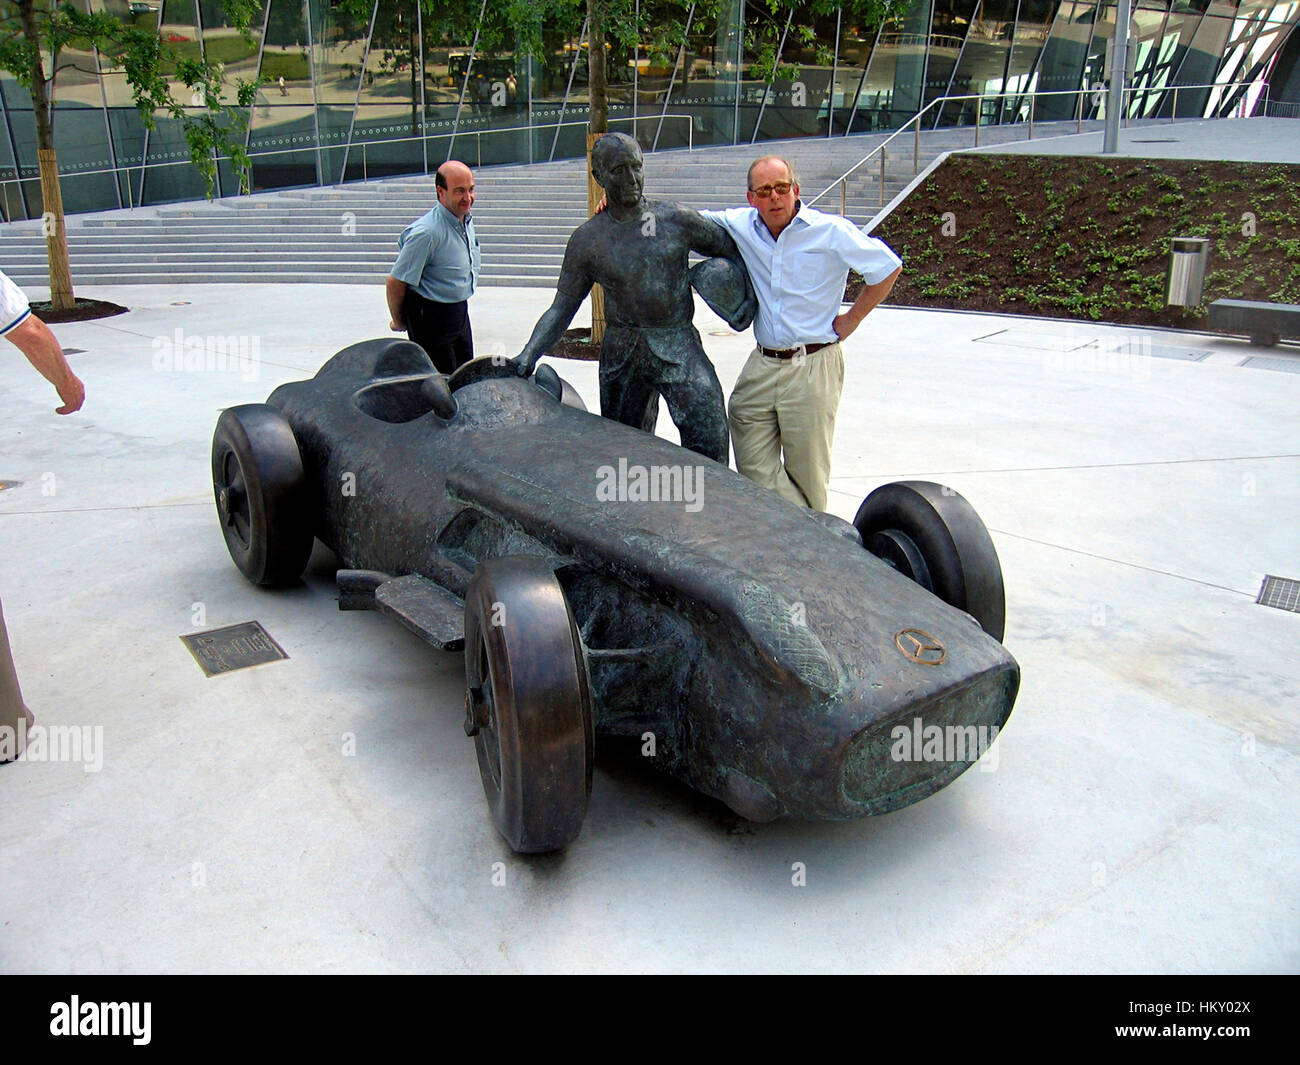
(439, 257)
(799, 278)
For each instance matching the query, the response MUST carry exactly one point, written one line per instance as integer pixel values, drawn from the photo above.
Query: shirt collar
(451, 217)
(761, 226)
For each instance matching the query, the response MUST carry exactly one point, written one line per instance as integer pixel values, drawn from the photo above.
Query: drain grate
(234, 647)
(1027, 338)
(1265, 362)
(1280, 592)
(1143, 346)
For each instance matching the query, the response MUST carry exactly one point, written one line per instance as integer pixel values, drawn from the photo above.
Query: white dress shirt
(799, 278)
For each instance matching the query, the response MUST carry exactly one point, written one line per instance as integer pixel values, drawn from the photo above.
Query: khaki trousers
(12, 710)
(782, 415)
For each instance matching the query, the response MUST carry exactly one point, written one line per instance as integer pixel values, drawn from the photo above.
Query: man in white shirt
(34, 339)
(782, 410)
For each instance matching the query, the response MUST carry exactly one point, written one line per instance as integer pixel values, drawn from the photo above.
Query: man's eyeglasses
(779, 187)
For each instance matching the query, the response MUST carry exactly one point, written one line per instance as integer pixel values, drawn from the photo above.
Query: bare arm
(844, 324)
(396, 292)
(34, 339)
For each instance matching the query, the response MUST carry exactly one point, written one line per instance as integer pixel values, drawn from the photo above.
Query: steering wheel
(487, 368)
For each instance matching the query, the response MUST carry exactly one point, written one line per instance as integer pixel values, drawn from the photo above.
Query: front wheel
(931, 534)
(528, 703)
(261, 494)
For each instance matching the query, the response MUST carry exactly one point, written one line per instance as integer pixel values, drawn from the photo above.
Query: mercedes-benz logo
(920, 647)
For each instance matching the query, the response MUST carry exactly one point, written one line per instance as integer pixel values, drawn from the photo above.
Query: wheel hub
(898, 550)
(477, 715)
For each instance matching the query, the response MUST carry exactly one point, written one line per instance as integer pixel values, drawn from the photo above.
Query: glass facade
(352, 89)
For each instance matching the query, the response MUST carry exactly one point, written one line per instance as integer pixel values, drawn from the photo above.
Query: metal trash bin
(1186, 274)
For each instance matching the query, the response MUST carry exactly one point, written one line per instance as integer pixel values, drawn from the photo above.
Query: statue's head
(616, 165)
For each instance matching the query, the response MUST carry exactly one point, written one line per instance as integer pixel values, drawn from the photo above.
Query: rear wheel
(528, 703)
(261, 494)
(931, 534)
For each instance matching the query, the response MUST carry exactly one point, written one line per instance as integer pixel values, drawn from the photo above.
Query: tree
(37, 32)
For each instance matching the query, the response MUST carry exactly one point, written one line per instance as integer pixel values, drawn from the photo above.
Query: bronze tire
(932, 535)
(261, 495)
(528, 703)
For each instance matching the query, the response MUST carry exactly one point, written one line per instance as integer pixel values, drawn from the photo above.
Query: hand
(844, 326)
(396, 326)
(73, 394)
(523, 366)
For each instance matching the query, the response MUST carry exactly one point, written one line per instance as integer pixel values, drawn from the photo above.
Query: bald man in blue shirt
(436, 271)
(782, 410)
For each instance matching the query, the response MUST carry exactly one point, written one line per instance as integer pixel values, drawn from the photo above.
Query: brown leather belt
(790, 353)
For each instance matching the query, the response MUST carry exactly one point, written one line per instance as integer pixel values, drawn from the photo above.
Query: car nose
(906, 756)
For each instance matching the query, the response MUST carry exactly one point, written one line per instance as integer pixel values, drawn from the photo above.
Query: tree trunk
(596, 84)
(415, 87)
(56, 240)
(594, 193)
(597, 124)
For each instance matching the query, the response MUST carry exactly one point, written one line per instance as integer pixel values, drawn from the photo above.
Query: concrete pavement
(324, 813)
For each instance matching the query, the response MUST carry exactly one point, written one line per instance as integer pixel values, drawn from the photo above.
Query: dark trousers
(442, 329)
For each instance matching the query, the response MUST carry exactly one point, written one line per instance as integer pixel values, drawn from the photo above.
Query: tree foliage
(210, 123)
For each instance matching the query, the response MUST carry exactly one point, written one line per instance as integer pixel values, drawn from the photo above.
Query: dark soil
(1088, 238)
(576, 344)
(80, 311)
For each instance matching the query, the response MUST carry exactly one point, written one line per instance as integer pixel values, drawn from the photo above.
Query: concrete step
(307, 231)
(288, 276)
(524, 214)
(259, 258)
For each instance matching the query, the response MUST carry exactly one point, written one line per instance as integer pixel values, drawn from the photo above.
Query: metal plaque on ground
(234, 647)
(1280, 592)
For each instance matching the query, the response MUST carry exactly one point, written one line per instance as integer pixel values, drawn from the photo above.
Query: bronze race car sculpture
(602, 579)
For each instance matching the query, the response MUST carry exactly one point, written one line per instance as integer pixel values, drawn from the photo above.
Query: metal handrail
(842, 180)
(253, 157)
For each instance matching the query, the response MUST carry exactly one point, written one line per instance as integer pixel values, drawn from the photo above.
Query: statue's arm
(549, 329)
(575, 282)
(711, 238)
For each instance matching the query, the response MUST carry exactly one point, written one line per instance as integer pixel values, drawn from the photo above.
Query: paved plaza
(1140, 812)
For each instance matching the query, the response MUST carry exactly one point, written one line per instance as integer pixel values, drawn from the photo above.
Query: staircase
(348, 234)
